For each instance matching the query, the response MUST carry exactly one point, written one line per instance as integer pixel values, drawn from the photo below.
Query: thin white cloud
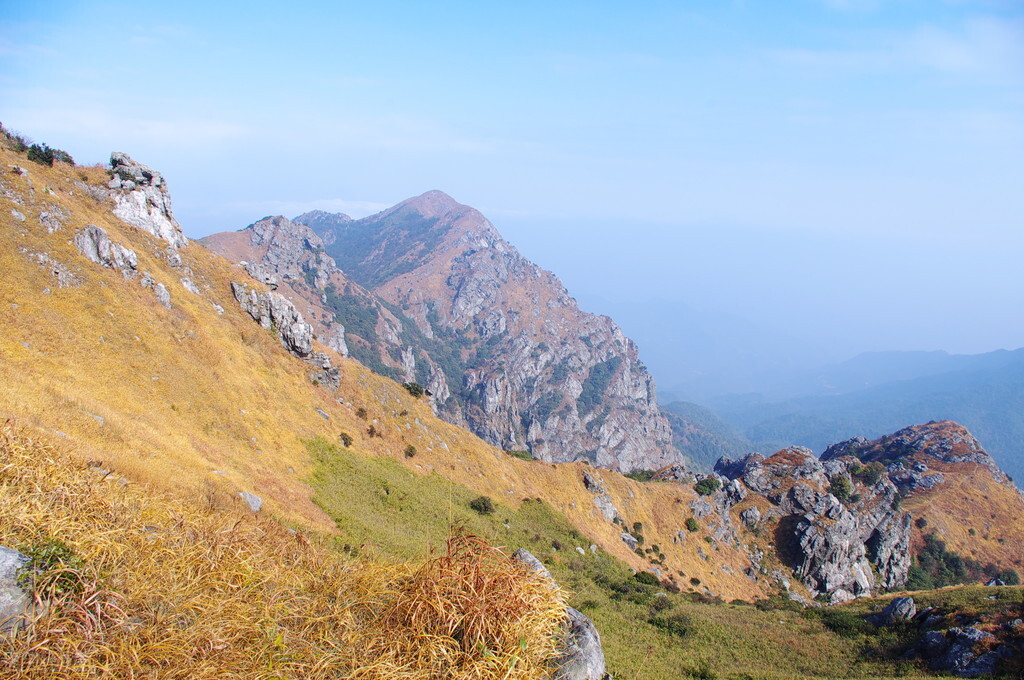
(984, 47)
(125, 130)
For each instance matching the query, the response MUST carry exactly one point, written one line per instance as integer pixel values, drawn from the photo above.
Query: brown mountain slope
(532, 370)
(196, 396)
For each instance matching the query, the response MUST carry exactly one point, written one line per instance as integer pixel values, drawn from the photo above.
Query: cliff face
(428, 291)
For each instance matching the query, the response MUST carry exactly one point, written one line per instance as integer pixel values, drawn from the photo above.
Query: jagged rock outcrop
(94, 243)
(96, 246)
(949, 485)
(582, 657)
(835, 547)
(141, 199)
(273, 311)
(277, 313)
(906, 450)
(602, 501)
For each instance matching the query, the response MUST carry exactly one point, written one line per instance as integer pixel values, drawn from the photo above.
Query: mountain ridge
(499, 342)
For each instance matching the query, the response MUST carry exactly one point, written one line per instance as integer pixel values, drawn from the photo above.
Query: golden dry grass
(227, 397)
(166, 589)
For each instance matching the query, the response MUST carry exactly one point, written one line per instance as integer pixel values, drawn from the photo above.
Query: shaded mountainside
(702, 435)
(985, 393)
(428, 291)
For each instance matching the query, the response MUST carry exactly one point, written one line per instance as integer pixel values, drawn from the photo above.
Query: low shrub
(483, 505)
(707, 486)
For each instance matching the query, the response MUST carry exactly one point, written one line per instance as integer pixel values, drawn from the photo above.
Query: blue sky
(848, 172)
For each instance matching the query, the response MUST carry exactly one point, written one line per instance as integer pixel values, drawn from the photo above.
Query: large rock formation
(950, 485)
(843, 536)
(141, 199)
(428, 291)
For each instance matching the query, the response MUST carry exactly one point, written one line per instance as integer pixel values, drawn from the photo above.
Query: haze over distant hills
(870, 394)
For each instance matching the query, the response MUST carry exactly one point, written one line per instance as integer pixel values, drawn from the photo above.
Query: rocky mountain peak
(428, 290)
(433, 203)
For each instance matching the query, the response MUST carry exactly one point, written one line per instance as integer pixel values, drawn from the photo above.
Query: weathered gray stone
(629, 540)
(273, 311)
(900, 609)
(252, 500)
(581, 657)
(751, 517)
(163, 296)
(15, 601)
(94, 243)
(141, 199)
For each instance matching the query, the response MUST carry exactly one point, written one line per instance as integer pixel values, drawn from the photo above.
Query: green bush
(54, 569)
(707, 486)
(346, 439)
(410, 451)
(522, 455)
(647, 578)
(640, 475)
(840, 487)
(414, 388)
(691, 525)
(1010, 577)
(483, 505)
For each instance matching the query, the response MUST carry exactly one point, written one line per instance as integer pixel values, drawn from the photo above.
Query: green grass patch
(646, 631)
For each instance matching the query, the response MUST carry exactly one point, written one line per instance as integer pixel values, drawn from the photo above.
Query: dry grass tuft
(485, 615)
(141, 585)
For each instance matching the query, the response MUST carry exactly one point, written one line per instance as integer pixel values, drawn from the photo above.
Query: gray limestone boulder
(141, 199)
(252, 500)
(900, 609)
(94, 243)
(751, 517)
(15, 601)
(581, 656)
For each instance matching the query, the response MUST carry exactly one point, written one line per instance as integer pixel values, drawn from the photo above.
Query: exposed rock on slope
(835, 547)
(951, 486)
(141, 199)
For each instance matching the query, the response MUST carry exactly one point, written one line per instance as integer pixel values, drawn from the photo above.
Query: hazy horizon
(743, 186)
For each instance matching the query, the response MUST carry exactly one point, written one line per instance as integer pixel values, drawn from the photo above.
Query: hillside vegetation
(133, 427)
(139, 583)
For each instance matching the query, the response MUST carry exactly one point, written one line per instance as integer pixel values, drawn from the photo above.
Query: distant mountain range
(877, 392)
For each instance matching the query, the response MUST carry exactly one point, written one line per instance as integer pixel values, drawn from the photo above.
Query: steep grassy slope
(139, 583)
(199, 401)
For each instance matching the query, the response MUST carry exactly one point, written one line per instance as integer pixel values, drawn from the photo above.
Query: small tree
(840, 487)
(414, 388)
(691, 525)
